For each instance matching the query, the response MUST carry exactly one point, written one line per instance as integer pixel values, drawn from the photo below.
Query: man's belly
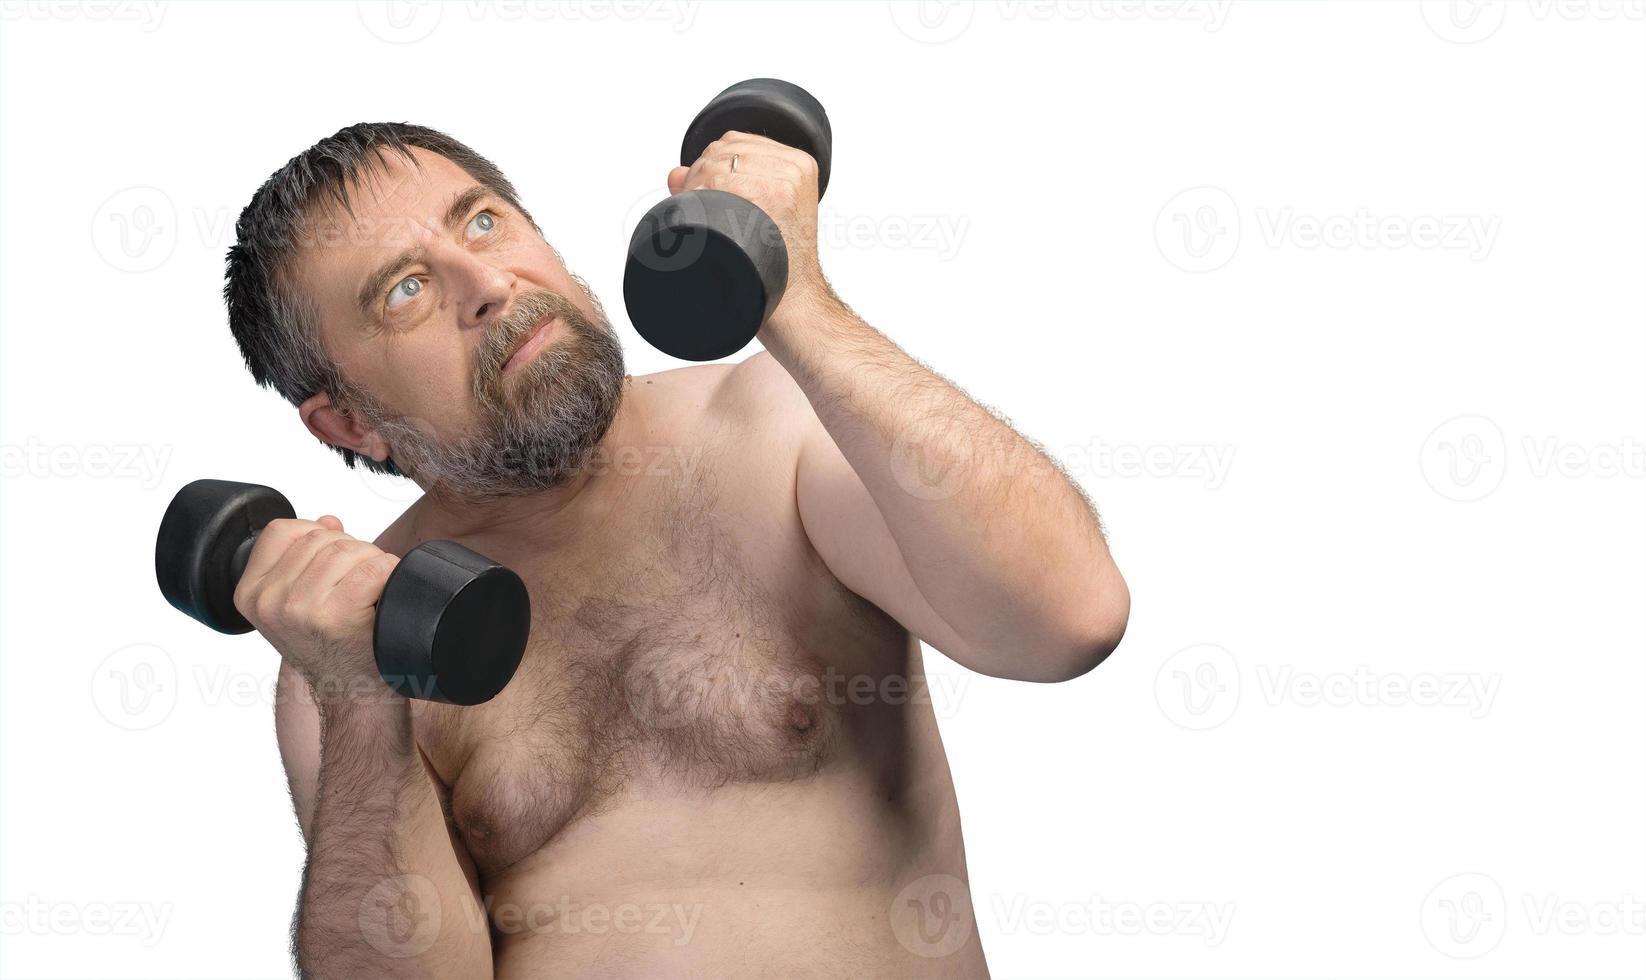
(832, 876)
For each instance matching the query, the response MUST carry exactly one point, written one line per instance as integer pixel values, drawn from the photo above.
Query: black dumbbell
(706, 268)
(451, 624)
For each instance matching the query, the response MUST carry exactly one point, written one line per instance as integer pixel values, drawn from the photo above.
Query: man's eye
(404, 291)
(481, 223)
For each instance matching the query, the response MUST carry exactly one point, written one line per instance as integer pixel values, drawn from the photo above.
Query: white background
(1335, 309)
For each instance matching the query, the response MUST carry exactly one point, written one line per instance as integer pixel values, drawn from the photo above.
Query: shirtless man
(716, 758)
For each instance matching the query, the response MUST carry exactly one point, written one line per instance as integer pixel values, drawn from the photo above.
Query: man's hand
(311, 589)
(781, 181)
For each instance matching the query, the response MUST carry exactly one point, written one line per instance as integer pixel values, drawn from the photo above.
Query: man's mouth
(532, 344)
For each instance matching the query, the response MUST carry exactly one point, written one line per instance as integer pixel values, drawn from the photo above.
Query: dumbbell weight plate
(704, 271)
(451, 625)
(203, 544)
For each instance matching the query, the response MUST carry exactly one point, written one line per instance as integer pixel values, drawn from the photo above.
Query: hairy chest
(687, 659)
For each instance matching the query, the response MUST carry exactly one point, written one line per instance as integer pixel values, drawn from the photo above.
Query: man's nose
(486, 293)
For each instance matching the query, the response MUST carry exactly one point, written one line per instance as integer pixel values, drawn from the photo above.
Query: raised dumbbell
(451, 624)
(706, 268)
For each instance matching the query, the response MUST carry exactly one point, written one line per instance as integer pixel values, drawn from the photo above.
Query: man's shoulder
(397, 537)
(755, 392)
(747, 422)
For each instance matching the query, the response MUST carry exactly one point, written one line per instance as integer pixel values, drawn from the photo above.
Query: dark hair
(276, 326)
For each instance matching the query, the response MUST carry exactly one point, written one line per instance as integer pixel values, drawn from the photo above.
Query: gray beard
(537, 428)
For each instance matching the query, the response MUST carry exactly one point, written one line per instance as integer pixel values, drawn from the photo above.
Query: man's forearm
(377, 899)
(1000, 543)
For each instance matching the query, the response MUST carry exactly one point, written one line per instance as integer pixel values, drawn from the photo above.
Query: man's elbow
(1092, 631)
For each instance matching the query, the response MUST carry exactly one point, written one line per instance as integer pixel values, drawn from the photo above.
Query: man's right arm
(385, 891)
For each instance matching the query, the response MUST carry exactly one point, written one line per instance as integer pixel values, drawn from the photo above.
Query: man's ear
(335, 427)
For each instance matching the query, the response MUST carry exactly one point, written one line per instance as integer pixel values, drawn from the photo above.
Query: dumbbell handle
(242, 557)
(769, 107)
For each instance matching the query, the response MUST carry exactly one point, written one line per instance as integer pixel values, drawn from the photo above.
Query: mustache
(506, 335)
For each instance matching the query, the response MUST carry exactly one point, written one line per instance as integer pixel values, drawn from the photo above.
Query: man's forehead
(390, 205)
(393, 193)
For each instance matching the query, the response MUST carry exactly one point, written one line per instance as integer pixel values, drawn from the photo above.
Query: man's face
(465, 342)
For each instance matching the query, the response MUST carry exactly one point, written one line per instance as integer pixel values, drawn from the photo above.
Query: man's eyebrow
(378, 281)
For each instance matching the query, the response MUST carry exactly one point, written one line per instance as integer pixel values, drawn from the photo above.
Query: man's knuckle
(267, 607)
(329, 617)
(363, 571)
(301, 609)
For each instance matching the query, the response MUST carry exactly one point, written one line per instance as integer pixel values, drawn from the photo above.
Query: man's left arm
(915, 496)
(923, 502)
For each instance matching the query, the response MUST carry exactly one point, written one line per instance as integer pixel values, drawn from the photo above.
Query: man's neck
(540, 521)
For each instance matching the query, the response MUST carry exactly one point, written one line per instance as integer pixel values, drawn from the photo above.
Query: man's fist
(781, 181)
(310, 590)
